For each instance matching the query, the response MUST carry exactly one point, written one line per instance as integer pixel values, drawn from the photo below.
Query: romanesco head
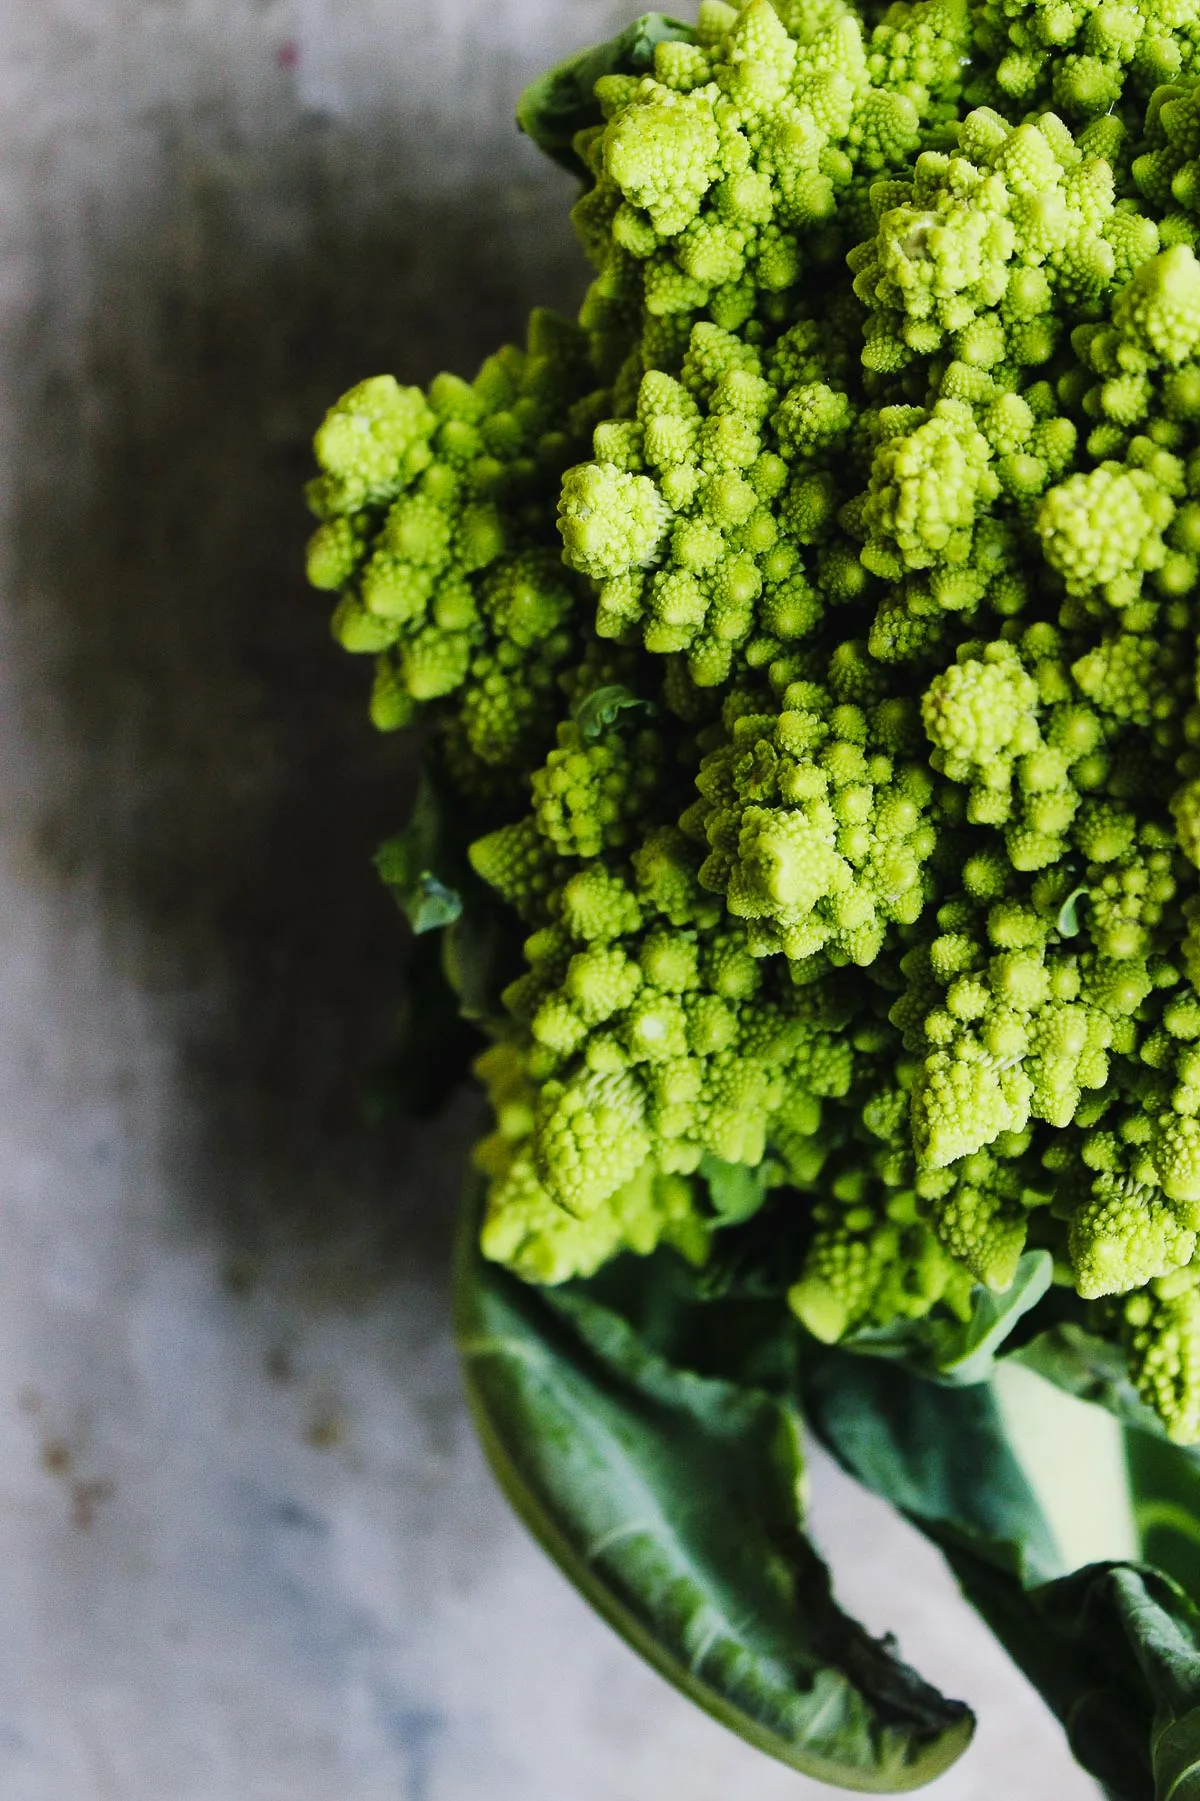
(868, 480)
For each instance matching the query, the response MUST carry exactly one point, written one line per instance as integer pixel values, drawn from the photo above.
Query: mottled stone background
(248, 1550)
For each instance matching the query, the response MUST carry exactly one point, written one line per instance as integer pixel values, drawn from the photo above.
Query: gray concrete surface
(248, 1549)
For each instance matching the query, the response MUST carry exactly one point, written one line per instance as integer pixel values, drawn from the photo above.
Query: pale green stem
(1073, 1455)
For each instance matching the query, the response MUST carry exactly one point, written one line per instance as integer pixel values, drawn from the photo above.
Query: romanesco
(868, 480)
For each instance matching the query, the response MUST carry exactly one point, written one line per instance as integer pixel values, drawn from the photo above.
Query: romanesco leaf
(960, 1353)
(601, 709)
(735, 1190)
(406, 864)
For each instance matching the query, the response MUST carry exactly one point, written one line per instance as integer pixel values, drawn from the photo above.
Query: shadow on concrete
(213, 776)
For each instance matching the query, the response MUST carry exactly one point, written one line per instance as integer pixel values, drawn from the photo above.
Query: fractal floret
(804, 644)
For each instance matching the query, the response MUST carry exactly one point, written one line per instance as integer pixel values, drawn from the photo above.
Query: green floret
(920, 48)
(716, 441)
(1176, 1156)
(978, 711)
(1160, 309)
(527, 1231)
(370, 445)
(1103, 531)
(518, 863)
(508, 708)
(926, 486)
(597, 906)
(534, 1236)
(587, 797)
(983, 241)
(434, 569)
(610, 521)
(1019, 760)
(963, 1103)
(1090, 57)
(1124, 1236)
(1161, 1331)
(867, 1267)
(335, 551)
(591, 1137)
(979, 1210)
(817, 836)
(1127, 676)
(1185, 809)
(662, 151)
(667, 869)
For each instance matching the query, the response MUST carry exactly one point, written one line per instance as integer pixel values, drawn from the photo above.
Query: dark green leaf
(938, 1453)
(735, 1190)
(430, 905)
(672, 1500)
(746, 1339)
(478, 958)
(409, 864)
(967, 1352)
(759, 1258)
(1164, 1485)
(960, 1351)
(599, 710)
(561, 102)
(1114, 1650)
(453, 981)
